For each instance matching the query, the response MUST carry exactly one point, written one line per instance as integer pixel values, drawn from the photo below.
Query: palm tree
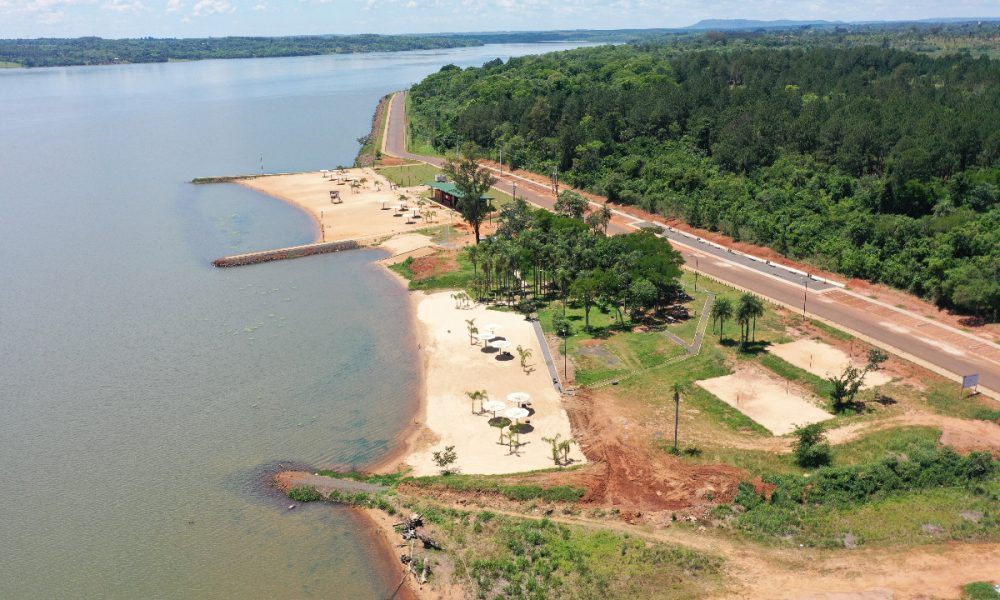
(470, 324)
(676, 387)
(564, 447)
(722, 309)
(748, 309)
(524, 354)
(556, 447)
(476, 395)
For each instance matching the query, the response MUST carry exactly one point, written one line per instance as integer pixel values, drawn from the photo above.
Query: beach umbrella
(492, 328)
(484, 337)
(493, 406)
(519, 397)
(516, 413)
(502, 345)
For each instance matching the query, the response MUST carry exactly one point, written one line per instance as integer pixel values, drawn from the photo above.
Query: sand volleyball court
(824, 360)
(774, 403)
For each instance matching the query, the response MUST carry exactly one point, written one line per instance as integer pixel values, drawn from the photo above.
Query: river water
(144, 394)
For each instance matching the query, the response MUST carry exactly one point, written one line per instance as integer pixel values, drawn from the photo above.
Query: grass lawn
(8, 65)
(605, 352)
(410, 175)
(869, 448)
(942, 398)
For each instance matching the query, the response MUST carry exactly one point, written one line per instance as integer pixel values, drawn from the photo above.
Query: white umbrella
(492, 328)
(519, 397)
(484, 337)
(516, 413)
(502, 345)
(493, 406)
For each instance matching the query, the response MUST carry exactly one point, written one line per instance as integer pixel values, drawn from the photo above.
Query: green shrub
(811, 447)
(305, 493)
(980, 590)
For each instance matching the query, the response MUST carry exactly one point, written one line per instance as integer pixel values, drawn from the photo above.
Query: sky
(203, 18)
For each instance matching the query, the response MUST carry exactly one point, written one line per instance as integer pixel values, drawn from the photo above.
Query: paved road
(944, 349)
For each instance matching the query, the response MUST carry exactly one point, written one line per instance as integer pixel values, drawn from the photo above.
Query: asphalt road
(941, 348)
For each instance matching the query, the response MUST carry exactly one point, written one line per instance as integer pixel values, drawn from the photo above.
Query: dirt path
(964, 435)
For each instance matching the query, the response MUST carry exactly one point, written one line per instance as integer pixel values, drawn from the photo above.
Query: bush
(980, 590)
(811, 448)
(304, 494)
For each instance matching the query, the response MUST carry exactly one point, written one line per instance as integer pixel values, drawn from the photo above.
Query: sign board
(970, 381)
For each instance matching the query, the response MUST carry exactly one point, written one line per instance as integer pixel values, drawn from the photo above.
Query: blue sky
(196, 18)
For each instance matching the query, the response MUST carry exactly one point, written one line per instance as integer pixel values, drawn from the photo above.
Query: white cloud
(125, 6)
(175, 6)
(411, 4)
(262, 6)
(204, 8)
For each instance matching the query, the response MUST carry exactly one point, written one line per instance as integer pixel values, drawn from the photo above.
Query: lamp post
(805, 293)
(696, 273)
(514, 184)
(555, 182)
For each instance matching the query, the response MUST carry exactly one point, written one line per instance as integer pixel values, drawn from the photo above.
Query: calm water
(143, 393)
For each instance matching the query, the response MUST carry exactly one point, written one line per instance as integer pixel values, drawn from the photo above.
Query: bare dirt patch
(775, 404)
(425, 267)
(633, 474)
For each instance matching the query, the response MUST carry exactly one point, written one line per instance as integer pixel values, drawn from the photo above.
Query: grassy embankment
(506, 556)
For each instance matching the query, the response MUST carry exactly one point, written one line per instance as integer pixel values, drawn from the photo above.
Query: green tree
(473, 182)
(599, 219)
(571, 204)
(722, 309)
(748, 309)
(470, 325)
(585, 290)
(479, 395)
(445, 458)
(845, 387)
(811, 448)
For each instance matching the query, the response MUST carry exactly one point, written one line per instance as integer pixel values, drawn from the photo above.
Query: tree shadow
(752, 348)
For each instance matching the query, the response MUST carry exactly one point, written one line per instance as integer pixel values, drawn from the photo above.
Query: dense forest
(869, 161)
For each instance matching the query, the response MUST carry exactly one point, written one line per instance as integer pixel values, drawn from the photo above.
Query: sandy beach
(454, 365)
(369, 211)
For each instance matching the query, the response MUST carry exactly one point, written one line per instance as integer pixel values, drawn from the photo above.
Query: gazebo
(448, 194)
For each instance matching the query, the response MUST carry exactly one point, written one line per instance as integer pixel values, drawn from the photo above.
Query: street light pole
(501, 162)
(696, 273)
(805, 293)
(514, 183)
(565, 355)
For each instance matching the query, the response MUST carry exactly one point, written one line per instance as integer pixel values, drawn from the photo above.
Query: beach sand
(453, 366)
(360, 214)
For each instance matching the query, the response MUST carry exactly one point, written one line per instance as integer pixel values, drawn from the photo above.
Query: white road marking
(894, 327)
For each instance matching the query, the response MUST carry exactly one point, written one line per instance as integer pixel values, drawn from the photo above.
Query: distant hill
(740, 24)
(750, 24)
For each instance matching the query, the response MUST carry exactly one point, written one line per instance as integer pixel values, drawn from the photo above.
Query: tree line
(52, 52)
(868, 161)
